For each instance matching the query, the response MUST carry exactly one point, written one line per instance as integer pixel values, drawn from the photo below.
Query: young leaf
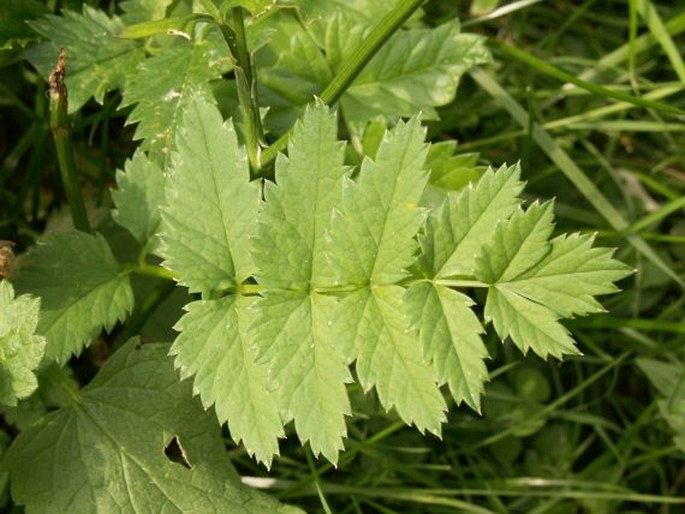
(138, 199)
(21, 350)
(97, 61)
(213, 347)
(290, 253)
(133, 416)
(163, 85)
(81, 287)
(212, 206)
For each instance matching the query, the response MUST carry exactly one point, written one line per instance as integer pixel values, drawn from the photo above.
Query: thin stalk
(141, 316)
(61, 132)
(354, 64)
(246, 85)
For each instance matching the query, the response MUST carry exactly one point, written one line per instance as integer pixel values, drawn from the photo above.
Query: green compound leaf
(330, 257)
(82, 290)
(417, 70)
(570, 275)
(97, 61)
(165, 84)
(456, 232)
(138, 199)
(306, 370)
(373, 233)
(213, 347)
(134, 440)
(21, 350)
(290, 252)
(450, 336)
(211, 205)
(534, 282)
(372, 244)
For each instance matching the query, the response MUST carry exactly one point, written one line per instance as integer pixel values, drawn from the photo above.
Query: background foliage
(600, 432)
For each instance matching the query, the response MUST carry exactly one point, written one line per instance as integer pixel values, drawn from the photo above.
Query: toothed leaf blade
(21, 349)
(106, 451)
(82, 288)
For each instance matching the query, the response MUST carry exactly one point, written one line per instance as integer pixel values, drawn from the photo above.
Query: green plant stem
(140, 316)
(354, 64)
(246, 85)
(61, 132)
(150, 270)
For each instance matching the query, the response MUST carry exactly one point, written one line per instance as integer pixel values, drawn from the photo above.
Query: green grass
(589, 96)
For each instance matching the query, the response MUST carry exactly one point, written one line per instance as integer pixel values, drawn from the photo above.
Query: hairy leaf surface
(81, 287)
(21, 349)
(97, 61)
(106, 452)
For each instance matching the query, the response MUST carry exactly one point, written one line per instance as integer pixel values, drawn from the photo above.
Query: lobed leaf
(111, 450)
(139, 198)
(21, 349)
(306, 370)
(372, 235)
(416, 70)
(534, 283)
(163, 86)
(290, 252)
(389, 358)
(82, 290)
(570, 275)
(97, 61)
(213, 346)
(211, 205)
(450, 336)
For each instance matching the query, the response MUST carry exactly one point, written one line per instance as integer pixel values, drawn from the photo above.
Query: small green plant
(379, 260)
